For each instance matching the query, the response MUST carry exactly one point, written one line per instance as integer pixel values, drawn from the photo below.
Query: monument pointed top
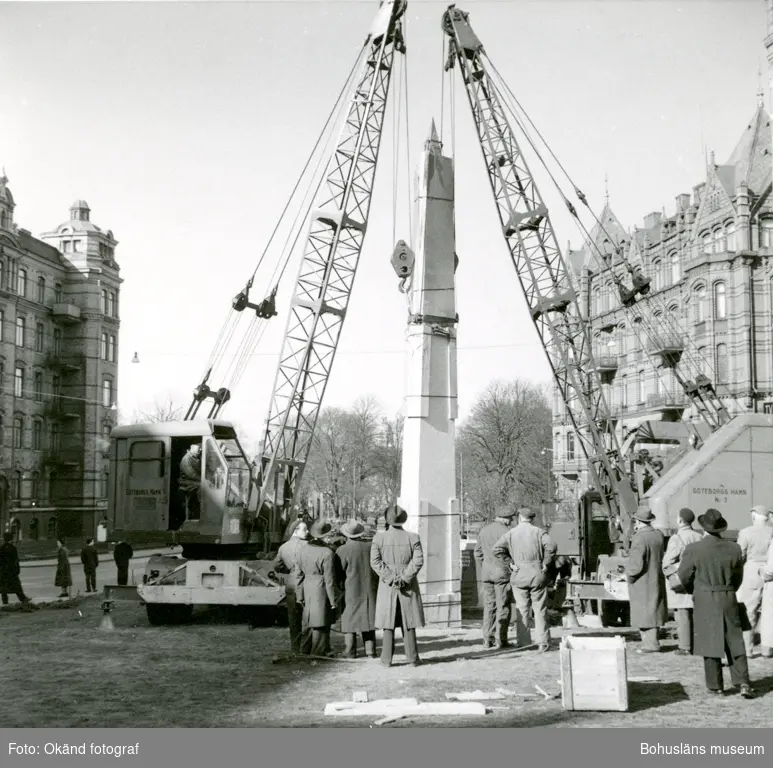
(433, 143)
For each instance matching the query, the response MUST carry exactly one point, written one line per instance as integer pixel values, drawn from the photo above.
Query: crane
(221, 540)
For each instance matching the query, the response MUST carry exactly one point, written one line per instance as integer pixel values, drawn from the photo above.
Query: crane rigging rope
(686, 358)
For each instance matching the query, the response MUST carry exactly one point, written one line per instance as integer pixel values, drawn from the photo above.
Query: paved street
(38, 577)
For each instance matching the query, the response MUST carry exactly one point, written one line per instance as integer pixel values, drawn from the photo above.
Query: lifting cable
(598, 256)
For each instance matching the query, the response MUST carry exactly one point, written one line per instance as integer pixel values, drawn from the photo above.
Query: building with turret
(59, 330)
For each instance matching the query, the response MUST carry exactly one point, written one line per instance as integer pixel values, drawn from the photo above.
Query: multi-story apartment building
(58, 373)
(711, 268)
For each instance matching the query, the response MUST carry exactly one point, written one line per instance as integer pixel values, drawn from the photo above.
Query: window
(146, 459)
(52, 529)
(103, 304)
(719, 240)
(76, 245)
(722, 364)
(21, 328)
(702, 360)
(720, 306)
(16, 485)
(66, 246)
(18, 431)
(707, 243)
(570, 446)
(41, 290)
(112, 304)
(58, 293)
(657, 275)
(766, 233)
(556, 446)
(56, 386)
(107, 393)
(2, 325)
(624, 391)
(35, 485)
(38, 386)
(53, 438)
(34, 529)
(39, 336)
(103, 484)
(730, 234)
(111, 349)
(699, 302)
(642, 386)
(57, 345)
(104, 346)
(621, 334)
(18, 382)
(37, 435)
(676, 272)
(21, 282)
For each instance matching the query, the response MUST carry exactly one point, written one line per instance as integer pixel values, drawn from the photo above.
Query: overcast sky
(186, 125)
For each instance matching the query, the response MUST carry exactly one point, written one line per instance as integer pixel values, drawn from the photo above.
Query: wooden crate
(594, 674)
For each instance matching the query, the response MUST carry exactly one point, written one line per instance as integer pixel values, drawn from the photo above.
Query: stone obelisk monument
(428, 482)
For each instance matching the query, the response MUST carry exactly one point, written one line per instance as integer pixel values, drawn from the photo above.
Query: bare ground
(66, 672)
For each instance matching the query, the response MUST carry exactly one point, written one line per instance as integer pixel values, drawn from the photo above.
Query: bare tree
(162, 411)
(504, 443)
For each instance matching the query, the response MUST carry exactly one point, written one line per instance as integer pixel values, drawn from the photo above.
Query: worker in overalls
(190, 482)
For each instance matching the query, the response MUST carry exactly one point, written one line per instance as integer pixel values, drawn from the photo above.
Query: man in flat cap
(646, 582)
(360, 584)
(318, 588)
(677, 543)
(711, 571)
(754, 541)
(528, 552)
(397, 557)
(496, 579)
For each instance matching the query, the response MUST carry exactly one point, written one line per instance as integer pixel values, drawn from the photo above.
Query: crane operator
(190, 481)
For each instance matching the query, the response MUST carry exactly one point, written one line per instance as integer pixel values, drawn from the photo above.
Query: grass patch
(66, 672)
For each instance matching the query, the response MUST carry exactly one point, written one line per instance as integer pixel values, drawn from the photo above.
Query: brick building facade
(711, 269)
(59, 325)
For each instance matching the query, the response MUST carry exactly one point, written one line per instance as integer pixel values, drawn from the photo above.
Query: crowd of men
(726, 588)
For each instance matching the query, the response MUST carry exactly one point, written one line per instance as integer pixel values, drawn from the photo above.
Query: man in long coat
(397, 557)
(495, 576)
(711, 571)
(9, 572)
(286, 562)
(677, 543)
(766, 614)
(318, 589)
(528, 552)
(63, 578)
(646, 582)
(122, 554)
(754, 541)
(90, 560)
(360, 585)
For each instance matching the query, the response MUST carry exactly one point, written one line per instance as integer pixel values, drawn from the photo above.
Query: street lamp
(136, 358)
(544, 452)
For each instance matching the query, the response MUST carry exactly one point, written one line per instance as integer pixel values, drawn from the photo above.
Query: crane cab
(160, 495)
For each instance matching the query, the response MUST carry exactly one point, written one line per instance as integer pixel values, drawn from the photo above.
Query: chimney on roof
(697, 193)
(652, 219)
(682, 202)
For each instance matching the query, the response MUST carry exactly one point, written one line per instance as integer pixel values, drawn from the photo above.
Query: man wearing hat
(496, 579)
(711, 571)
(646, 582)
(684, 535)
(397, 557)
(318, 588)
(754, 541)
(286, 561)
(528, 552)
(360, 588)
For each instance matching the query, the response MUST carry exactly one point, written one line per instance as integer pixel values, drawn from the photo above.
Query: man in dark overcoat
(397, 557)
(63, 577)
(711, 570)
(122, 554)
(90, 560)
(286, 562)
(10, 570)
(360, 585)
(495, 576)
(318, 589)
(646, 582)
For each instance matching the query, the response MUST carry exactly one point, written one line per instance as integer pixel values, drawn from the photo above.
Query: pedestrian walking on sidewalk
(63, 578)
(122, 553)
(711, 571)
(90, 560)
(10, 571)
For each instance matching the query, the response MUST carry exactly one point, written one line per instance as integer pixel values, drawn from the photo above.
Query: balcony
(666, 402)
(668, 346)
(61, 408)
(606, 364)
(59, 363)
(59, 458)
(66, 313)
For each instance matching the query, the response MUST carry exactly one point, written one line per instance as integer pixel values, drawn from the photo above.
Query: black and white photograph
(386, 364)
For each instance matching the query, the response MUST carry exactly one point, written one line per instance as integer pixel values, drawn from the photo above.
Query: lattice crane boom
(543, 274)
(328, 268)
